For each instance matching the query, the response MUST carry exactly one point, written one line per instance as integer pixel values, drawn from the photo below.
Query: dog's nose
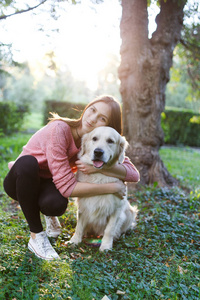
(98, 152)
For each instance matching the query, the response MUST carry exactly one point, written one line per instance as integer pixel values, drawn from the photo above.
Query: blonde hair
(115, 120)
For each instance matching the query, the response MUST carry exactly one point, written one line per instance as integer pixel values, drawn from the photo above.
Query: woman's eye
(103, 119)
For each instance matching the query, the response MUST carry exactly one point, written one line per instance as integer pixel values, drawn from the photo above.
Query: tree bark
(144, 73)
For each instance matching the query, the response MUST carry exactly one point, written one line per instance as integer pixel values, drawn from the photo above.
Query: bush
(63, 109)
(11, 117)
(181, 127)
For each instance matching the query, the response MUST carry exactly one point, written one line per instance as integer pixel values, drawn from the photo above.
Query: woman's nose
(93, 118)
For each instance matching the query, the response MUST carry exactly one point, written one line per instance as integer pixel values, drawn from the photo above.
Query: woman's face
(96, 115)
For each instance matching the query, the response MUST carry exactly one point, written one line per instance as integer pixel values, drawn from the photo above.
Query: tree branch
(190, 46)
(22, 11)
(169, 22)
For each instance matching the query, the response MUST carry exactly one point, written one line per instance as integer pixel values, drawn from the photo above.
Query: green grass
(160, 259)
(183, 163)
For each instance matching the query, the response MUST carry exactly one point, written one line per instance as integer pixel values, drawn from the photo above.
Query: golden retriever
(105, 215)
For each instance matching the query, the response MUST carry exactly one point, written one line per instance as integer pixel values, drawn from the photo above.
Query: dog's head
(103, 146)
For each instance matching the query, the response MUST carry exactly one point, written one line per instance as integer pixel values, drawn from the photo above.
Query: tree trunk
(144, 73)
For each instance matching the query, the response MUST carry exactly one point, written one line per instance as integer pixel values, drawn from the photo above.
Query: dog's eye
(94, 139)
(110, 141)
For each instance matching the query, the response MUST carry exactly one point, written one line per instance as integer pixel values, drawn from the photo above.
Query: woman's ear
(123, 144)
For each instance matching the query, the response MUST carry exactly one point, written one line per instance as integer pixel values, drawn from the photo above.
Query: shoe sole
(42, 257)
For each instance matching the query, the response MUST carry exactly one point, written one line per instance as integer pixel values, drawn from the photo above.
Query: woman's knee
(27, 164)
(25, 168)
(53, 206)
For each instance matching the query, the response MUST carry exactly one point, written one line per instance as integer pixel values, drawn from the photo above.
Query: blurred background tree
(183, 90)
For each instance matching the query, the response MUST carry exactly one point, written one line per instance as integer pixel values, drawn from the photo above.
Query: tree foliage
(189, 53)
(13, 5)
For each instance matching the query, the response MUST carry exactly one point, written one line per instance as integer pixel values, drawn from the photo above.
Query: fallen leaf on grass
(120, 292)
(75, 256)
(19, 237)
(171, 258)
(181, 270)
(185, 258)
(105, 298)
(167, 265)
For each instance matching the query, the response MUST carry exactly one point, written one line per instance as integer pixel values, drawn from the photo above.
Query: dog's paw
(104, 247)
(73, 242)
(69, 244)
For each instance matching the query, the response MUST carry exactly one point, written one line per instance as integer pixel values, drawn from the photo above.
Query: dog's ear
(83, 145)
(123, 144)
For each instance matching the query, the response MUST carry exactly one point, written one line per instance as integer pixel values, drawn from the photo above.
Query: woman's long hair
(115, 120)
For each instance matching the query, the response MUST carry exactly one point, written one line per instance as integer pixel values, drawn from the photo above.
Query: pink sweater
(54, 148)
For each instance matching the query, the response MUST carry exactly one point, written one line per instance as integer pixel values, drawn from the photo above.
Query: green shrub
(63, 109)
(181, 127)
(11, 117)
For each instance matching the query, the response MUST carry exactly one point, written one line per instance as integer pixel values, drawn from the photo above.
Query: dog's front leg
(77, 237)
(107, 240)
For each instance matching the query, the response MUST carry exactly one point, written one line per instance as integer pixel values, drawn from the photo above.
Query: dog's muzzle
(98, 161)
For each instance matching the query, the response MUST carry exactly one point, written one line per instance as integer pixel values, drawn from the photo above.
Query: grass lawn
(184, 164)
(160, 259)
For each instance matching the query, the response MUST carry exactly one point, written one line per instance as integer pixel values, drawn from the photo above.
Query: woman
(42, 178)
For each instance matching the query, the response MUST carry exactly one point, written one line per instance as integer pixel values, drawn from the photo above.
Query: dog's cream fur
(105, 215)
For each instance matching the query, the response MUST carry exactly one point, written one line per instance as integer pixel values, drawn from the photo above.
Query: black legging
(34, 194)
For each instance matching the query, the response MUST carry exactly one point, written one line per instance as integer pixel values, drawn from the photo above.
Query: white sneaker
(41, 247)
(53, 227)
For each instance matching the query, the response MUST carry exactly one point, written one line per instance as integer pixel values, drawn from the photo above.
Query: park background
(69, 51)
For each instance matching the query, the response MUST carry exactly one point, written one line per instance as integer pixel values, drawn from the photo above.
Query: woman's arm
(125, 171)
(83, 189)
(118, 171)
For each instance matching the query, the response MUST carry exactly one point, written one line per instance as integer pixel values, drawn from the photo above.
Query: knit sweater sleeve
(59, 146)
(132, 174)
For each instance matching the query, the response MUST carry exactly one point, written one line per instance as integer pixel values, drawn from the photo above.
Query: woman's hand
(121, 189)
(85, 168)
